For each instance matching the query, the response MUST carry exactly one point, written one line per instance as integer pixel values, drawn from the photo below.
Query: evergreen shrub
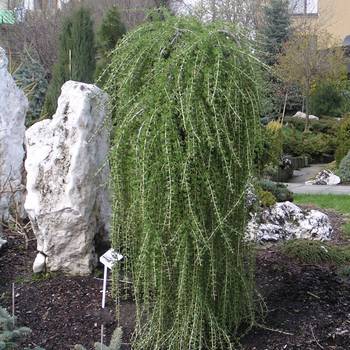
(10, 334)
(279, 190)
(269, 150)
(343, 139)
(30, 76)
(311, 144)
(325, 125)
(326, 100)
(266, 198)
(185, 105)
(115, 344)
(344, 169)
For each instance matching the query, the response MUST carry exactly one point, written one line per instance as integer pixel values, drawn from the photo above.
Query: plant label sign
(110, 258)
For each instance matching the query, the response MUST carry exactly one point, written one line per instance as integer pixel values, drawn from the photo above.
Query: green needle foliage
(115, 344)
(10, 334)
(276, 28)
(110, 32)
(185, 106)
(76, 57)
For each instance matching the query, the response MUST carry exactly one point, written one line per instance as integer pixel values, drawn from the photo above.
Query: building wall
(334, 16)
(337, 14)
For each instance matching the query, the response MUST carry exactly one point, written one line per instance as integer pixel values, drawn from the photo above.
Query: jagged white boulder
(67, 174)
(285, 221)
(302, 115)
(325, 177)
(13, 109)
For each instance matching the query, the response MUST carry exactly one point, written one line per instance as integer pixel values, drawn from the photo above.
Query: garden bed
(308, 306)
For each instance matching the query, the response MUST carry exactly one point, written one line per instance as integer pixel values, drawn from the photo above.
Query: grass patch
(43, 276)
(340, 203)
(346, 230)
(316, 252)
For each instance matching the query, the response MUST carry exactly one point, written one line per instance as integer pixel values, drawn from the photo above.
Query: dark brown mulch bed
(61, 311)
(308, 306)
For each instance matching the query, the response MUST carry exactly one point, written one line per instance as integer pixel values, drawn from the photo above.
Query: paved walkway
(305, 174)
(318, 189)
(297, 182)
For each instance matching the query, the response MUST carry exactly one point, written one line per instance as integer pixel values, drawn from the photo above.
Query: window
(297, 7)
(311, 7)
(304, 7)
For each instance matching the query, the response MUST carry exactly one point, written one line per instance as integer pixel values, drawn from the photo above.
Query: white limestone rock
(13, 109)
(39, 263)
(67, 173)
(285, 221)
(325, 177)
(302, 115)
(3, 243)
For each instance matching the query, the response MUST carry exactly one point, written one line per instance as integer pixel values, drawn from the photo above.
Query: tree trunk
(307, 120)
(284, 106)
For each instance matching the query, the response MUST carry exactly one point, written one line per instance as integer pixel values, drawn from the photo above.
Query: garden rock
(302, 115)
(285, 221)
(39, 263)
(325, 177)
(67, 174)
(3, 243)
(13, 109)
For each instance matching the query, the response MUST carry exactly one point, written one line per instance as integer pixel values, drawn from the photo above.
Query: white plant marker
(108, 259)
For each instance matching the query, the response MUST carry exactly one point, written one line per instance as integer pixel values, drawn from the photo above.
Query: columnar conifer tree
(276, 29)
(110, 32)
(76, 57)
(185, 105)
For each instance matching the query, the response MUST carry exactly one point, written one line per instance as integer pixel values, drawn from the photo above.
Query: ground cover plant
(320, 140)
(185, 105)
(314, 252)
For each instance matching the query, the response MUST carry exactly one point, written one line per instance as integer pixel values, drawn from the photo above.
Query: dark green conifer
(276, 29)
(110, 32)
(76, 57)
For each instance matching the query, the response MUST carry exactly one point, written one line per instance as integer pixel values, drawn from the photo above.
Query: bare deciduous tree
(311, 55)
(248, 13)
(133, 12)
(39, 32)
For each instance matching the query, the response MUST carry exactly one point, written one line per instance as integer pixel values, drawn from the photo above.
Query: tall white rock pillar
(67, 174)
(13, 109)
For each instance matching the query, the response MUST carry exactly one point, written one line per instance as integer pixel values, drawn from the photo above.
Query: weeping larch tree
(185, 109)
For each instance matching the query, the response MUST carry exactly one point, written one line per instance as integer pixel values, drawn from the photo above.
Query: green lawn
(346, 230)
(339, 203)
